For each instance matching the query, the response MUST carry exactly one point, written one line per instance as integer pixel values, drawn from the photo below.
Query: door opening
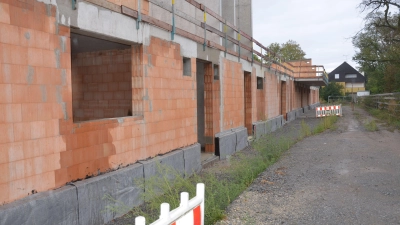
(247, 103)
(283, 99)
(205, 121)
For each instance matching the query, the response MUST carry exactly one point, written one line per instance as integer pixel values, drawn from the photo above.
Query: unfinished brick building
(91, 86)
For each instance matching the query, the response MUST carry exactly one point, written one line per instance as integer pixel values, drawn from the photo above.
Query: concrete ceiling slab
(82, 43)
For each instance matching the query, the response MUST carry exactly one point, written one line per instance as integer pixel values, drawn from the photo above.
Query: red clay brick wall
(170, 112)
(102, 84)
(306, 93)
(260, 101)
(169, 121)
(248, 91)
(314, 96)
(284, 95)
(41, 148)
(216, 108)
(272, 94)
(259, 105)
(211, 107)
(34, 87)
(233, 88)
(297, 98)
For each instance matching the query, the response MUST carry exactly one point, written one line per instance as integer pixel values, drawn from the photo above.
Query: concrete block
(259, 129)
(279, 121)
(298, 112)
(192, 159)
(161, 165)
(225, 144)
(241, 138)
(266, 127)
(313, 106)
(96, 194)
(58, 206)
(271, 125)
(290, 116)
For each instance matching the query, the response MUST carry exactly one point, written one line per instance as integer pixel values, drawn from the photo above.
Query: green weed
(371, 126)
(305, 130)
(222, 185)
(390, 118)
(326, 123)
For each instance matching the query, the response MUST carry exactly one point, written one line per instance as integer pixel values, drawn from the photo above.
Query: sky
(323, 28)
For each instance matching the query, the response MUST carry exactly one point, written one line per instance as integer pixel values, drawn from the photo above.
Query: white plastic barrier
(189, 211)
(332, 110)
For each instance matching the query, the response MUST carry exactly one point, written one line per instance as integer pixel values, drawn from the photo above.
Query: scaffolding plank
(106, 4)
(129, 12)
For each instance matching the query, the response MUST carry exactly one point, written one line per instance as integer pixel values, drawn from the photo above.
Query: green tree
(332, 89)
(288, 51)
(378, 45)
(275, 48)
(256, 58)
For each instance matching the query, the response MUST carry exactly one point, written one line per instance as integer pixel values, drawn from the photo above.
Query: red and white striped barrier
(333, 110)
(189, 211)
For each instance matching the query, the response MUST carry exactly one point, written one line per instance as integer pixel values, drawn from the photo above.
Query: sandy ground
(347, 175)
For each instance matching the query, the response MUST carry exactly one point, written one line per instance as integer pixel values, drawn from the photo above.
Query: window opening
(101, 74)
(350, 76)
(260, 83)
(187, 67)
(216, 72)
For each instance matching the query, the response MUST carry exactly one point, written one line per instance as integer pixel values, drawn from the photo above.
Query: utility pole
(352, 95)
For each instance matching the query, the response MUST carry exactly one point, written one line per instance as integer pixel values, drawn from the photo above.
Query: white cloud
(323, 28)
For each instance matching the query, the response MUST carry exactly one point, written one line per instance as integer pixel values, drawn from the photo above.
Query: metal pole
(226, 38)
(352, 95)
(139, 15)
(205, 31)
(173, 20)
(252, 53)
(239, 44)
(238, 36)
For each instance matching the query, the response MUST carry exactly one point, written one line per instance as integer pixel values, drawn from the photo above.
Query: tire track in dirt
(344, 176)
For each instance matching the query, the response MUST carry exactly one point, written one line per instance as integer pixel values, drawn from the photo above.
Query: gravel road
(347, 175)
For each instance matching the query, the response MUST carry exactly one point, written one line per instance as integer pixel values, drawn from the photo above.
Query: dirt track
(344, 176)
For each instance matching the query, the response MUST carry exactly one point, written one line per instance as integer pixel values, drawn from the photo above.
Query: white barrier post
(140, 220)
(164, 214)
(189, 211)
(200, 191)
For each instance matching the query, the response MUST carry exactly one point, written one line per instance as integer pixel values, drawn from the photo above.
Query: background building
(352, 80)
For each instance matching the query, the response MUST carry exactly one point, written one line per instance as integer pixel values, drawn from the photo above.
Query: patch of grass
(379, 114)
(222, 185)
(371, 126)
(326, 123)
(305, 130)
(391, 119)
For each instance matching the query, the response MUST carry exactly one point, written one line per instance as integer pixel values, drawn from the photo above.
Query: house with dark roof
(352, 80)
